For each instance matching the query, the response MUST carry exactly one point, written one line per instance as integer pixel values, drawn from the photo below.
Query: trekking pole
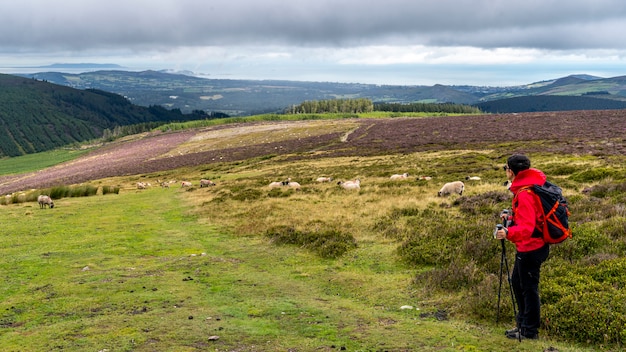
(504, 264)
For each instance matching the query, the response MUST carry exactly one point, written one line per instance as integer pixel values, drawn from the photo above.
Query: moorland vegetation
(241, 267)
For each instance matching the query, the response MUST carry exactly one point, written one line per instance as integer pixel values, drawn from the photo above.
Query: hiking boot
(511, 331)
(517, 335)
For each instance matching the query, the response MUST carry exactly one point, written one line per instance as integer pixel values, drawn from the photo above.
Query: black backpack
(554, 226)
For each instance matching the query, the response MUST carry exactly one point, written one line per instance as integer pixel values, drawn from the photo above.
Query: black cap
(518, 162)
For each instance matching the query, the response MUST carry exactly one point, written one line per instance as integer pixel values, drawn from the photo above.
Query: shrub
(486, 203)
(455, 276)
(592, 317)
(110, 189)
(595, 174)
(247, 194)
(326, 242)
(59, 192)
(83, 191)
(560, 169)
(482, 299)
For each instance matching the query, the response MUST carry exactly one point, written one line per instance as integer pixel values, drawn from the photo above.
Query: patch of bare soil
(571, 132)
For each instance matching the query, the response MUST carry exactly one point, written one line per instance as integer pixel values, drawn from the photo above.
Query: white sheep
(451, 187)
(185, 184)
(404, 176)
(356, 184)
(206, 183)
(275, 184)
(426, 178)
(44, 200)
(141, 185)
(324, 179)
(472, 178)
(294, 185)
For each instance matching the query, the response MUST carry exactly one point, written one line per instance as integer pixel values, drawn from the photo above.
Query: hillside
(537, 103)
(242, 267)
(37, 116)
(248, 97)
(581, 131)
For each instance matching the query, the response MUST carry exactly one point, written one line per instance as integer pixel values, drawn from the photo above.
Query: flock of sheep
(456, 187)
(449, 188)
(183, 184)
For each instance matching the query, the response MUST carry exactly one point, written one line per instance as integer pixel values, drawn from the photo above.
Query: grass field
(33, 162)
(192, 269)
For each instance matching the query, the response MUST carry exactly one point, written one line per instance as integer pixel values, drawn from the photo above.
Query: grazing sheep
(294, 185)
(472, 178)
(141, 185)
(324, 179)
(206, 183)
(356, 184)
(44, 200)
(404, 176)
(451, 187)
(276, 184)
(165, 185)
(426, 178)
(185, 184)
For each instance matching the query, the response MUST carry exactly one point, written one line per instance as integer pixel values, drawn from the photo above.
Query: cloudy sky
(407, 42)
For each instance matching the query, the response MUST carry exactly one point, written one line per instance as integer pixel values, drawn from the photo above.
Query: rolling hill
(248, 97)
(37, 116)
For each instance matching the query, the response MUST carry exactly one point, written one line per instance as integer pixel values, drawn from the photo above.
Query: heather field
(243, 267)
(576, 132)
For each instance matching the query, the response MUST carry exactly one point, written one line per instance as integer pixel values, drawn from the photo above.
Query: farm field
(241, 267)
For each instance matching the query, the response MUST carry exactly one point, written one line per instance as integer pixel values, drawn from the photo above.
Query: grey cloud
(139, 24)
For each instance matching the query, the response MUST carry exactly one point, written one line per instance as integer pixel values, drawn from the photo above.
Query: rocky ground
(582, 132)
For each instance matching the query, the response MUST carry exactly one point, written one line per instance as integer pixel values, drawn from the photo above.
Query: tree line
(364, 105)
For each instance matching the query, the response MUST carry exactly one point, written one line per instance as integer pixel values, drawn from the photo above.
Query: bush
(83, 191)
(595, 174)
(59, 192)
(486, 203)
(326, 242)
(110, 190)
(592, 317)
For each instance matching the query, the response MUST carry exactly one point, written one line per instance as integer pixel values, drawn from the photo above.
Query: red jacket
(526, 212)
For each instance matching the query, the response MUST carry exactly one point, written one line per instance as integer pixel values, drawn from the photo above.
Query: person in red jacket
(531, 250)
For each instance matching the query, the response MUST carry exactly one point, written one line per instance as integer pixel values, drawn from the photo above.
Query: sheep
(44, 200)
(472, 178)
(141, 185)
(324, 179)
(275, 184)
(294, 185)
(404, 176)
(206, 183)
(426, 178)
(185, 184)
(356, 184)
(451, 187)
(165, 185)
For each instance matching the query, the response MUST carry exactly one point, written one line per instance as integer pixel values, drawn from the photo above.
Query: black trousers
(525, 282)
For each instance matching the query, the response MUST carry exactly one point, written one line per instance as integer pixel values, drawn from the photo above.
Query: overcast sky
(408, 42)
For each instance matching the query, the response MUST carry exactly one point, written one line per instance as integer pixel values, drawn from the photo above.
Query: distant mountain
(184, 91)
(37, 116)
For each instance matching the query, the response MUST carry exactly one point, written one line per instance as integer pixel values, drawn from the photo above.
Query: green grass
(127, 273)
(38, 161)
